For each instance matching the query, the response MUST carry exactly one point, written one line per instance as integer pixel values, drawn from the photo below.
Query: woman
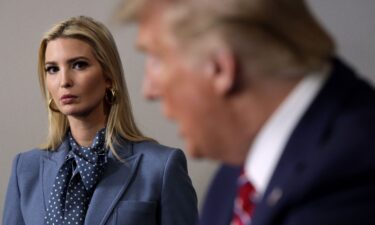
(96, 167)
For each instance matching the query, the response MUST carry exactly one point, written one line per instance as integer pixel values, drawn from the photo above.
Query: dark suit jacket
(326, 174)
(151, 187)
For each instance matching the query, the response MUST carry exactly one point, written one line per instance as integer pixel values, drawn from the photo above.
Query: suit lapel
(308, 135)
(114, 183)
(228, 188)
(218, 207)
(51, 163)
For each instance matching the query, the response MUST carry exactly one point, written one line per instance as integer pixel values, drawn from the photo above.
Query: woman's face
(74, 78)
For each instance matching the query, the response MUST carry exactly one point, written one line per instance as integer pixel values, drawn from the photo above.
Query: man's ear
(222, 70)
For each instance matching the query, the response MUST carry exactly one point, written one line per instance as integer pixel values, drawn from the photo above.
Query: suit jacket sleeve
(12, 209)
(179, 202)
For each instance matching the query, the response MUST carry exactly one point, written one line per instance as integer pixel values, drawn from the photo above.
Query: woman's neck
(84, 131)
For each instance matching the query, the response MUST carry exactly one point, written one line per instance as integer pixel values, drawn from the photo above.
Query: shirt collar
(269, 144)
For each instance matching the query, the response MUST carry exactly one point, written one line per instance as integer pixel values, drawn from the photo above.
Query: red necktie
(243, 205)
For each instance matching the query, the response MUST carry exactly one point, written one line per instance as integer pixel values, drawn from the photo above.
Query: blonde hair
(267, 36)
(120, 121)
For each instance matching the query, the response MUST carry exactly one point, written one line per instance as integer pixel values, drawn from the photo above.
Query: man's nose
(150, 88)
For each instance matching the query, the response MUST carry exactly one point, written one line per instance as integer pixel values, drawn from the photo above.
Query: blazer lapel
(51, 163)
(114, 183)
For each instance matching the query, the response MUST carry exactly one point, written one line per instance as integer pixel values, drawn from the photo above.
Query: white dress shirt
(270, 142)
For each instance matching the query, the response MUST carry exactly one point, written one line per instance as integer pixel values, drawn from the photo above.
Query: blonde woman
(96, 166)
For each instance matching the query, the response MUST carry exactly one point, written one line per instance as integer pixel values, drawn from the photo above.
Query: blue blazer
(151, 187)
(326, 174)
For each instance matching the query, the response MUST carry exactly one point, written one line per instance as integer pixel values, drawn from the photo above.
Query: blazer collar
(58, 156)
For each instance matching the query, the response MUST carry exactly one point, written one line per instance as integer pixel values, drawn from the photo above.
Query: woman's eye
(51, 69)
(80, 65)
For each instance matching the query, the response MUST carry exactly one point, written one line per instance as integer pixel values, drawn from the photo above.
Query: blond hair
(120, 121)
(268, 36)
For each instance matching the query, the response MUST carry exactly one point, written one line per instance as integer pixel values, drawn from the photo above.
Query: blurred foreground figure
(256, 85)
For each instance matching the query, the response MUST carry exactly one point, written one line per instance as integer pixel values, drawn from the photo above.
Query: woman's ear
(222, 69)
(108, 83)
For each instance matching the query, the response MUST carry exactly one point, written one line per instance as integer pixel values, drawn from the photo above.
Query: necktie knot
(89, 161)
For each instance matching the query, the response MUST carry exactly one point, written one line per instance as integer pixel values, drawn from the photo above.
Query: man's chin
(196, 156)
(197, 153)
(193, 151)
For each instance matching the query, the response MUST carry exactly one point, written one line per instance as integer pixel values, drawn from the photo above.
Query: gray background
(23, 121)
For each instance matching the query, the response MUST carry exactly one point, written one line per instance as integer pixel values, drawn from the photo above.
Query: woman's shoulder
(29, 159)
(32, 153)
(161, 161)
(152, 150)
(152, 145)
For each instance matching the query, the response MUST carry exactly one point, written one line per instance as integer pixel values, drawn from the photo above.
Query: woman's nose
(66, 80)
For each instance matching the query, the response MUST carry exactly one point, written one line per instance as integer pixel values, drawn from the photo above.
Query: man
(256, 85)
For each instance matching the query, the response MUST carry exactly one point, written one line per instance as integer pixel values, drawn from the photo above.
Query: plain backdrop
(23, 121)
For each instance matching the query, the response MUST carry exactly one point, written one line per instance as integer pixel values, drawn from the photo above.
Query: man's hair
(267, 36)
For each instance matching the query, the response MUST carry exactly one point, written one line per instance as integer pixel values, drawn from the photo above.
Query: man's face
(179, 81)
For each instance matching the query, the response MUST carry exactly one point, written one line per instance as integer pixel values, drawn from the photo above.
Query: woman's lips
(67, 99)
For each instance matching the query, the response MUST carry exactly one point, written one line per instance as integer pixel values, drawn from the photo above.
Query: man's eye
(80, 65)
(51, 69)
